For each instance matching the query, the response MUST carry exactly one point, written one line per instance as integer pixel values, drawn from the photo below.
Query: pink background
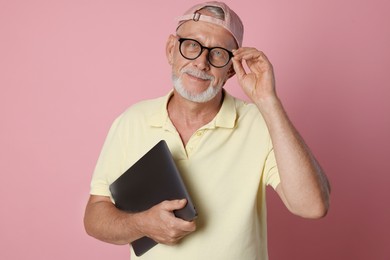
(69, 67)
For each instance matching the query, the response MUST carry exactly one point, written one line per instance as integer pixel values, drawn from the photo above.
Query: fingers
(171, 205)
(173, 233)
(176, 231)
(247, 53)
(254, 58)
(238, 67)
(162, 225)
(257, 77)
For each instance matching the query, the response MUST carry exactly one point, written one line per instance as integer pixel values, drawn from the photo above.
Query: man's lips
(196, 78)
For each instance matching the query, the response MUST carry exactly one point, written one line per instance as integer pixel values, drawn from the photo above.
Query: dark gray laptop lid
(151, 180)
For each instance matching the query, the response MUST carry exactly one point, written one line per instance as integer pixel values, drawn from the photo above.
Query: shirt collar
(226, 117)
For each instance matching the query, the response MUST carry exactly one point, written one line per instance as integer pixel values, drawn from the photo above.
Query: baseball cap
(232, 22)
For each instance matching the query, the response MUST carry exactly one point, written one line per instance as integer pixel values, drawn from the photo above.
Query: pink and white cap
(232, 22)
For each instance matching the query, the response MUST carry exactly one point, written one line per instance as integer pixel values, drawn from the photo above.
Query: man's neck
(188, 116)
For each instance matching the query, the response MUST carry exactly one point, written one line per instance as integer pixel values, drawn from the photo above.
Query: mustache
(197, 73)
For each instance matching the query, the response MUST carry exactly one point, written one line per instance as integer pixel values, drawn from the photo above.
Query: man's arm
(304, 188)
(105, 222)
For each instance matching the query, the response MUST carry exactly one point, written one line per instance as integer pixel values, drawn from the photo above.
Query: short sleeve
(109, 165)
(271, 173)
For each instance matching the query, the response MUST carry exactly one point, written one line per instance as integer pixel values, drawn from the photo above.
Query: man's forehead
(207, 33)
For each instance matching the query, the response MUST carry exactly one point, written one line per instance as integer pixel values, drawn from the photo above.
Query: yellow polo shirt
(226, 167)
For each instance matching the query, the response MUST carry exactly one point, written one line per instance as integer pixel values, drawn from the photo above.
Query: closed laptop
(151, 180)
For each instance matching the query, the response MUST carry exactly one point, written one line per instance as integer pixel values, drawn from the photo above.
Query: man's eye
(217, 53)
(193, 45)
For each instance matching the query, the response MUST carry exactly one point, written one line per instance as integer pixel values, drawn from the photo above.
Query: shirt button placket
(194, 141)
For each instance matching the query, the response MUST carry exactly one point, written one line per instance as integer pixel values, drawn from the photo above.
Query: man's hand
(105, 222)
(259, 82)
(160, 224)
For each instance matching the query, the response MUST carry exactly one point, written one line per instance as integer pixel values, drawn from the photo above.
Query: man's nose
(202, 61)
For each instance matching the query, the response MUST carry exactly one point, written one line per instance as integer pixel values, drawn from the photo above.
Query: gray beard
(203, 97)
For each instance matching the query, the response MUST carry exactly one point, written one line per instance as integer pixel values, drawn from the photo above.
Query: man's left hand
(259, 82)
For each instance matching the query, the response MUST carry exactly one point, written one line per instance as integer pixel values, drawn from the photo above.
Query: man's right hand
(105, 222)
(160, 224)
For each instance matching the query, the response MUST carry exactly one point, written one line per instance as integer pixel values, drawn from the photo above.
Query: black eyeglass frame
(181, 40)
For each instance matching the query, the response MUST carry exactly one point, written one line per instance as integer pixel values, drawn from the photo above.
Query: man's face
(196, 79)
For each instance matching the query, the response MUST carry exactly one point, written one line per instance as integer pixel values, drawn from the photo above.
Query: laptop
(151, 180)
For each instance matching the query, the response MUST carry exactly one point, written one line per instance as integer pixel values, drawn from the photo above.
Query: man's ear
(170, 47)
(231, 72)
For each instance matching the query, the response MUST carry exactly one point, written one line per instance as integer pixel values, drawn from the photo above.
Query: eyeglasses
(191, 49)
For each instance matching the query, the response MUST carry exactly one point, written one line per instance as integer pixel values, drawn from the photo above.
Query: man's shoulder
(146, 106)
(241, 105)
(140, 111)
(151, 102)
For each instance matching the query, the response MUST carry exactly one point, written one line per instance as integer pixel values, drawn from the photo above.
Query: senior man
(227, 150)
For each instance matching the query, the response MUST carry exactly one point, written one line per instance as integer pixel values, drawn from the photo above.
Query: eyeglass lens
(191, 49)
